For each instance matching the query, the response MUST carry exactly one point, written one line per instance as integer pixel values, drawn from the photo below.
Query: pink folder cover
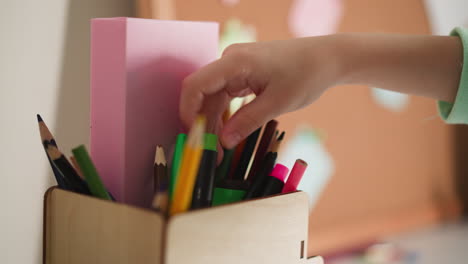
(137, 66)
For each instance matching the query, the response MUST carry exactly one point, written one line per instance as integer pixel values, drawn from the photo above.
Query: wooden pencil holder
(84, 229)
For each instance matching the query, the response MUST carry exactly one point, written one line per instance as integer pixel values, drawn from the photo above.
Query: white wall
(445, 15)
(44, 68)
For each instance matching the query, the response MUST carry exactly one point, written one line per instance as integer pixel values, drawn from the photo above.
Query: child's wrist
(347, 64)
(328, 59)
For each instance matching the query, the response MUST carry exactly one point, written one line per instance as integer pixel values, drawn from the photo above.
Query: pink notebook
(137, 66)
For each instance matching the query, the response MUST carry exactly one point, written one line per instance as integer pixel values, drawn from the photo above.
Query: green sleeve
(457, 112)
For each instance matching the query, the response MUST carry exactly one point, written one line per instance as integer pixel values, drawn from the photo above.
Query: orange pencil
(189, 168)
(235, 159)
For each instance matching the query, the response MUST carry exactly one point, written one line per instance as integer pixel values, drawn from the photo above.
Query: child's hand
(290, 74)
(285, 75)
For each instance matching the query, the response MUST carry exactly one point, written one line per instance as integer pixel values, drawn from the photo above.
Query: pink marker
(295, 176)
(275, 182)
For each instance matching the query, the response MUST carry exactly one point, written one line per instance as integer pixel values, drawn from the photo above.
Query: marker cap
(181, 137)
(225, 196)
(279, 171)
(210, 141)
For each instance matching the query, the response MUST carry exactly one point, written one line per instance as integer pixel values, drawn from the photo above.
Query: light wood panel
(261, 231)
(82, 229)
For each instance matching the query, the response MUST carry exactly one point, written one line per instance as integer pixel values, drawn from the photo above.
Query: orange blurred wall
(393, 171)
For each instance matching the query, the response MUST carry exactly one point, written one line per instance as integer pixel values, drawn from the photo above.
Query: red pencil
(295, 176)
(235, 159)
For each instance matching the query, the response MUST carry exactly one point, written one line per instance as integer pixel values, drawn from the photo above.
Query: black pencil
(66, 169)
(45, 132)
(268, 163)
(47, 138)
(265, 141)
(275, 144)
(246, 155)
(161, 181)
(256, 188)
(204, 185)
(77, 168)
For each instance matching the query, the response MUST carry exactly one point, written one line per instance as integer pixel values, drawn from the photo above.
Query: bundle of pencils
(193, 181)
(81, 177)
(247, 171)
(251, 168)
(190, 162)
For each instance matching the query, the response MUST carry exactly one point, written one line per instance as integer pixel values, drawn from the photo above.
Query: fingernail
(233, 139)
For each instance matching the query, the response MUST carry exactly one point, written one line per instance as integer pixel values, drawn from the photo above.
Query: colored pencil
(95, 184)
(45, 132)
(268, 163)
(161, 181)
(256, 188)
(188, 171)
(204, 185)
(236, 158)
(223, 168)
(262, 149)
(277, 143)
(240, 147)
(246, 156)
(47, 138)
(77, 167)
(66, 169)
(295, 176)
(176, 160)
(80, 173)
(226, 115)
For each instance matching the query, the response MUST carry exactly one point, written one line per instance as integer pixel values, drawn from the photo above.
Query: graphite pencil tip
(281, 136)
(39, 118)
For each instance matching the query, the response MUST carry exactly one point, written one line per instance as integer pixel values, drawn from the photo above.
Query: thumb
(247, 119)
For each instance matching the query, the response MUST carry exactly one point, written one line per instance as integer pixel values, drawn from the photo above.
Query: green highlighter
(229, 191)
(176, 160)
(203, 190)
(95, 184)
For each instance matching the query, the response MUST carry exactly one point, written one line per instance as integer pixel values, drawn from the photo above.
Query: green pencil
(90, 173)
(223, 168)
(176, 160)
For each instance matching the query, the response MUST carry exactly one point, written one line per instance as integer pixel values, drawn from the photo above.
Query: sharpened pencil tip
(39, 118)
(160, 157)
(281, 136)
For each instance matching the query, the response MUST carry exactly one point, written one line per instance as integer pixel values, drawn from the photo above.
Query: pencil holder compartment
(84, 229)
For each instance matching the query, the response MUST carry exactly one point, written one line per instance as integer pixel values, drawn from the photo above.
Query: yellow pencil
(189, 167)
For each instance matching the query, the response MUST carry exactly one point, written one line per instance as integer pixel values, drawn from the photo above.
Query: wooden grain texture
(82, 229)
(260, 231)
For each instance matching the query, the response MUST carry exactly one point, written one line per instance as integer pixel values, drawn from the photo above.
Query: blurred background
(387, 181)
